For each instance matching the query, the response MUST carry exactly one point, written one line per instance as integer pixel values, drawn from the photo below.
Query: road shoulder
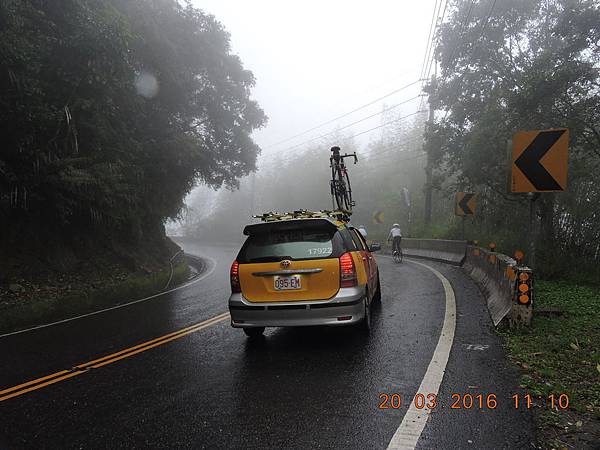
(478, 377)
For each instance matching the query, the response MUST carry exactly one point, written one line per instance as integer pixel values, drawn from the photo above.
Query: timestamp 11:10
(553, 401)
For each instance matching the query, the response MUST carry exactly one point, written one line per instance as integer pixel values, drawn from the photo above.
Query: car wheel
(254, 332)
(365, 324)
(377, 296)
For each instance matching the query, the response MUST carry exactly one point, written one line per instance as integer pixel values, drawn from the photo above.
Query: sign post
(464, 206)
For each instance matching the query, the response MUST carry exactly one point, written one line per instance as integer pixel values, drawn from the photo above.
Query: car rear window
(292, 244)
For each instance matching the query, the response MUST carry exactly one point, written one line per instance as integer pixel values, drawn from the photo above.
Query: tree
(522, 65)
(111, 112)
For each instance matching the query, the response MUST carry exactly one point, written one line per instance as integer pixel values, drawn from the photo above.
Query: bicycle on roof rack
(341, 191)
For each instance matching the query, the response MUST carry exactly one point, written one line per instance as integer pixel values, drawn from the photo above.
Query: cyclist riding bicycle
(363, 231)
(396, 235)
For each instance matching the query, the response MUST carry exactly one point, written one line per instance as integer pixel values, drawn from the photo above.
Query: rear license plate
(287, 283)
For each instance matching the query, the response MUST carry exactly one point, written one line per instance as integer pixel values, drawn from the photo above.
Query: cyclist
(363, 231)
(396, 235)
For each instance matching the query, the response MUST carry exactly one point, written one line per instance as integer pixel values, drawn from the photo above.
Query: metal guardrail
(452, 252)
(507, 286)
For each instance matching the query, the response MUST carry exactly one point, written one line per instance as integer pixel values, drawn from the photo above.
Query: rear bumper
(347, 302)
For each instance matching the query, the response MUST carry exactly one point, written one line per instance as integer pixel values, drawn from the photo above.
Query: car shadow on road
(292, 375)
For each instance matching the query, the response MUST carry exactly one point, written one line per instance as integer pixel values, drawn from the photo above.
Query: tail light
(235, 278)
(347, 271)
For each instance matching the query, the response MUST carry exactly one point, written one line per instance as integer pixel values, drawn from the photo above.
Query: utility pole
(429, 167)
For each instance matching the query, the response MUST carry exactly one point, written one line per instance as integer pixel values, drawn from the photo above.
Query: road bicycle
(397, 254)
(341, 192)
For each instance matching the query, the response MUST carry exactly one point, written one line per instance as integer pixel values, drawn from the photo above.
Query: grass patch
(561, 353)
(81, 302)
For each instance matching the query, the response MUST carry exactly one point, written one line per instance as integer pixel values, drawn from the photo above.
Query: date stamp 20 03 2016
(474, 401)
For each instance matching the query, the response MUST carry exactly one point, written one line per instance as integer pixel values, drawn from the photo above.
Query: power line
(362, 132)
(353, 123)
(440, 20)
(389, 149)
(383, 83)
(427, 63)
(429, 41)
(410, 158)
(382, 125)
(344, 115)
(483, 27)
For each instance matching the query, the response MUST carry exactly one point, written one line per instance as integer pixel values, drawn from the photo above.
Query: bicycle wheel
(396, 256)
(348, 200)
(345, 202)
(400, 255)
(338, 187)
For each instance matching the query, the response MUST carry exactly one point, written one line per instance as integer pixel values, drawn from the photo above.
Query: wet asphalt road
(297, 388)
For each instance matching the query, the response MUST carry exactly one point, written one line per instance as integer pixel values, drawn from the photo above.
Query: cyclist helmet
(395, 226)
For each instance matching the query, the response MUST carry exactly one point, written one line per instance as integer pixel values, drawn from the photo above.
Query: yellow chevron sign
(465, 204)
(378, 217)
(540, 160)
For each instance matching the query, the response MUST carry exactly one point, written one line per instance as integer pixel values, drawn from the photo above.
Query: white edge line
(408, 433)
(189, 283)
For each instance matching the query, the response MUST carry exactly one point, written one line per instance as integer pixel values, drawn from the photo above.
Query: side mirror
(375, 247)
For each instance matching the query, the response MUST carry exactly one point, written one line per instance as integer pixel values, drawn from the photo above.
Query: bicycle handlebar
(336, 155)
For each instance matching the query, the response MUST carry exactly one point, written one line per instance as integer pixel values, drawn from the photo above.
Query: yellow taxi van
(301, 271)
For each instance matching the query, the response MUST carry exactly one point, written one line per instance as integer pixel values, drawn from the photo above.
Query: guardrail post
(522, 306)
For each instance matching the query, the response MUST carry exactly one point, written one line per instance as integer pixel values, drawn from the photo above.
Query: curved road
(161, 374)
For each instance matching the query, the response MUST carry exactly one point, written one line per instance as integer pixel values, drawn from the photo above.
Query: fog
(327, 73)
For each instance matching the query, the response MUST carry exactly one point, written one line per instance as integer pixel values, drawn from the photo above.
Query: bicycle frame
(341, 191)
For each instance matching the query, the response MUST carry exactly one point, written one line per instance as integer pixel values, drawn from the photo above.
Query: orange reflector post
(523, 276)
(519, 255)
(524, 298)
(523, 288)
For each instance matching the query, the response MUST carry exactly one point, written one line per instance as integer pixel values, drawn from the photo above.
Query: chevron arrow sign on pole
(539, 160)
(465, 204)
(378, 217)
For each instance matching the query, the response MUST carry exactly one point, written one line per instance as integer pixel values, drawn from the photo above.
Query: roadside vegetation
(111, 111)
(31, 306)
(560, 354)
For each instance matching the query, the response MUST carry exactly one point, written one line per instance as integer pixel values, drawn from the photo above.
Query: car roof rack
(339, 215)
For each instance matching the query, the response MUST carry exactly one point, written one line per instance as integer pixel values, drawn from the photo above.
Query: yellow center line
(39, 386)
(47, 380)
(183, 331)
(29, 383)
(200, 327)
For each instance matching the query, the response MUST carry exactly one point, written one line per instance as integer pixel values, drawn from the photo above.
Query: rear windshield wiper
(272, 258)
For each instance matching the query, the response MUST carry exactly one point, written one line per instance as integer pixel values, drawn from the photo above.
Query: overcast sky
(315, 60)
